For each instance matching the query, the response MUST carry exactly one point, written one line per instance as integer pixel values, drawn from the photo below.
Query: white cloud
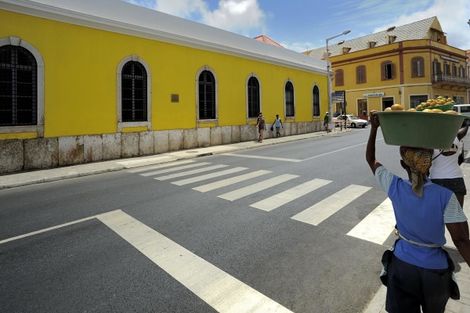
(453, 16)
(182, 8)
(301, 46)
(237, 15)
(241, 16)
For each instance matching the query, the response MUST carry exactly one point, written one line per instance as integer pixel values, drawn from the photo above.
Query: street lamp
(328, 67)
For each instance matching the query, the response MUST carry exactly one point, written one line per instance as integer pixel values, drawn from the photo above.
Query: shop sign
(374, 94)
(338, 96)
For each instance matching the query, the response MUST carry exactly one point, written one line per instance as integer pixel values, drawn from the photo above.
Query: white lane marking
(320, 211)
(37, 232)
(377, 226)
(174, 169)
(217, 288)
(339, 150)
(261, 157)
(251, 189)
(289, 195)
(154, 167)
(187, 173)
(230, 181)
(208, 176)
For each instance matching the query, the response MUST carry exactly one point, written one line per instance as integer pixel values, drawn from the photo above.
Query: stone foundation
(27, 154)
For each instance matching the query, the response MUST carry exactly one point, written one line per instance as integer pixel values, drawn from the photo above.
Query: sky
(305, 24)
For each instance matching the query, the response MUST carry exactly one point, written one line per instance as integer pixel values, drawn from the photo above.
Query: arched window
(253, 97)
(289, 97)
(316, 101)
(417, 67)
(18, 86)
(361, 74)
(339, 78)
(134, 92)
(206, 96)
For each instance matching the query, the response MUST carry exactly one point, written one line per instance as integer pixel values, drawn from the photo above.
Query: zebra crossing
(376, 227)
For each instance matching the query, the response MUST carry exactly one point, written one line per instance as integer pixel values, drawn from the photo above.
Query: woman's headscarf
(419, 161)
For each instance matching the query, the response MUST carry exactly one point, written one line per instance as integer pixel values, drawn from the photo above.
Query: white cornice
(282, 57)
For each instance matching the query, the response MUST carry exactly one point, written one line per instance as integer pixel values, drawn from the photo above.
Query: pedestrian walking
(261, 124)
(417, 270)
(277, 124)
(326, 121)
(445, 169)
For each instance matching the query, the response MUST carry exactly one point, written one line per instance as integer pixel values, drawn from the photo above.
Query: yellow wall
(401, 90)
(80, 79)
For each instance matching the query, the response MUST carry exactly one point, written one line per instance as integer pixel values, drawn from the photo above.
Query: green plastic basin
(420, 129)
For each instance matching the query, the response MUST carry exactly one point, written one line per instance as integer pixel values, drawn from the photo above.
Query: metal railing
(441, 78)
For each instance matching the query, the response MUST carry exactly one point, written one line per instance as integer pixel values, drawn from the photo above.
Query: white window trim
(120, 124)
(285, 99)
(313, 99)
(39, 127)
(198, 73)
(246, 96)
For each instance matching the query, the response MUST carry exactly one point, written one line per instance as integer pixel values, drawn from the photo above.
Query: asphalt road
(240, 236)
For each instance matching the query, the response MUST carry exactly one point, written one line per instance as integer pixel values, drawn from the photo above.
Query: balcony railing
(451, 80)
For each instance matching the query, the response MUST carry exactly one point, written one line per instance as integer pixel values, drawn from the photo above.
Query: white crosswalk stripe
(251, 189)
(320, 211)
(208, 176)
(175, 169)
(377, 226)
(154, 167)
(230, 181)
(223, 292)
(192, 172)
(289, 195)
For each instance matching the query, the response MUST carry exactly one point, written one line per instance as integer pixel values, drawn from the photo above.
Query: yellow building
(405, 64)
(87, 80)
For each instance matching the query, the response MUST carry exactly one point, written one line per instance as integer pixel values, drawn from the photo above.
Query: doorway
(362, 111)
(387, 102)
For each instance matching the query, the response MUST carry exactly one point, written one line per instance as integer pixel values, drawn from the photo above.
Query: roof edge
(82, 19)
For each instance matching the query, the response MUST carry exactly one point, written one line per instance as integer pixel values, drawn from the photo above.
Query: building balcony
(451, 81)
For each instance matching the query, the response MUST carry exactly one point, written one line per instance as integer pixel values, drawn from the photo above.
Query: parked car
(351, 121)
(463, 109)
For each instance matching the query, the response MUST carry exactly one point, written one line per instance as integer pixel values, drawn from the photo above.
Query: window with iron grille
(361, 74)
(18, 86)
(417, 67)
(206, 96)
(289, 94)
(339, 78)
(253, 97)
(316, 101)
(134, 92)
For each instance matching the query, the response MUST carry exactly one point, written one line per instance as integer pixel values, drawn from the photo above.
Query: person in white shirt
(445, 169)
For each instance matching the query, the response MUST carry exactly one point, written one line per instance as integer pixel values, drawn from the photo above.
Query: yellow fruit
(427, 110)
(388, 109)
(452, 112)
(397, 107)
(411, 110)
(436, 111)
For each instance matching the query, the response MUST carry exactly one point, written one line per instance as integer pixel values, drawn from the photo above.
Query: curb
(80, 170)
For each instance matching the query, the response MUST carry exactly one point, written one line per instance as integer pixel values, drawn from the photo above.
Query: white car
(351, 121)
